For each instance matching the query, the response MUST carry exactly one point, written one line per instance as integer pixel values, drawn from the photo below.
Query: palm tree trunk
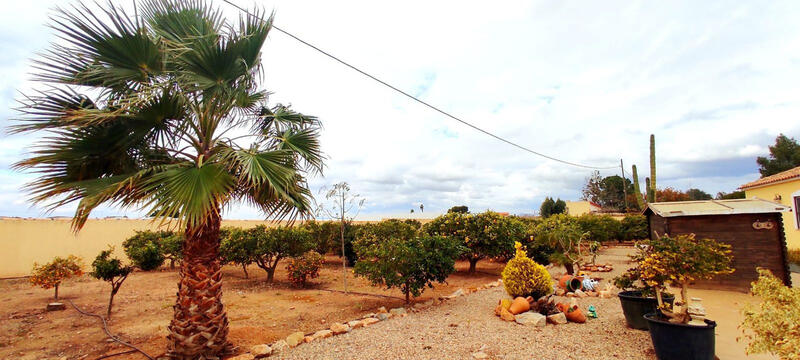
(199, 327)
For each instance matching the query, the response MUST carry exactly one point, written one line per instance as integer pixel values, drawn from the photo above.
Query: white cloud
(586, 82)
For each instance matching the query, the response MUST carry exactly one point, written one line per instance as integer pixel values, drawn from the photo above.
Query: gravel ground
(460, 327)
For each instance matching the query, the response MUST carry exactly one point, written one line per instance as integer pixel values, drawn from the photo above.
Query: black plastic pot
(635, 306)
(681, 341)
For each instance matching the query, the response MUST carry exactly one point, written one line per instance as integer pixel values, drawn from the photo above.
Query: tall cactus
(639, 199)
(647, 188)
(651, 193)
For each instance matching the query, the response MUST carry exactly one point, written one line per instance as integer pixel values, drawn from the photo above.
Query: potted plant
(637, 298)
(678, 261)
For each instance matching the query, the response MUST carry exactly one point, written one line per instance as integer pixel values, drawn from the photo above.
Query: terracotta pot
(502, 304)
(571, 283)
(575, 315)
(562, 307)
(520, 305)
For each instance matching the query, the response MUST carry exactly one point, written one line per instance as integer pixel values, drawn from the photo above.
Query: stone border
(298, 338)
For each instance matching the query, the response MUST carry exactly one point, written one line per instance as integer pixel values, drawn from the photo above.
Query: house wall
(751, 247)
(578, 208)
(785, 191)
(25, 241)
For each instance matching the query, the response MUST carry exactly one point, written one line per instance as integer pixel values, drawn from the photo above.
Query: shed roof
(776, 178)
(715, 207)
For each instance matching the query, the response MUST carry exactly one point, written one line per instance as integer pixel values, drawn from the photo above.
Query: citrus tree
(160, 109)
(109, 269)
(274, 244)
(51, 275)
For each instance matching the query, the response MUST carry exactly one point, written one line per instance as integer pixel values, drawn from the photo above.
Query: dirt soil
(259, 312)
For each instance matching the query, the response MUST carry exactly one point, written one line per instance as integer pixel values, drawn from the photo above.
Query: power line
(412, 97)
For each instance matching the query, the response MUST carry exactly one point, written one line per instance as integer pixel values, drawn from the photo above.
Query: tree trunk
(56, 291)
(270, 274)
(570, 268)
(199, 327)
(110, 303)
(244, 268)
(407, 291)
(473, 264)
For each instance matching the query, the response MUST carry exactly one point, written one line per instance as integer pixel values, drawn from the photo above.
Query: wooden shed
(753, 228)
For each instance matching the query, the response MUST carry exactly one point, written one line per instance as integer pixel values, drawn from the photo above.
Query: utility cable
(412, 97)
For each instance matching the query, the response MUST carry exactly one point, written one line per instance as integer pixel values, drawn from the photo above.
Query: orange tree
(51, 275)
(139, 109)
(680, 260)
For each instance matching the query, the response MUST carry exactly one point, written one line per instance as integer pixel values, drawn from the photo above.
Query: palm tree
(140, 112)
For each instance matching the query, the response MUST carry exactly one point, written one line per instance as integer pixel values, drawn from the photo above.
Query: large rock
(531, 318)
(455, 294)
(260, 351)
(557, 319)
(279, 346)
(369, 321)
(480, 355)
(339, 328)
(355, 324)
(397, 311)
(322, 334)
(295, 339)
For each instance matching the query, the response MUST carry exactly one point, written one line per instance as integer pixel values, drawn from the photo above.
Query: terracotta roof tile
(781, 176)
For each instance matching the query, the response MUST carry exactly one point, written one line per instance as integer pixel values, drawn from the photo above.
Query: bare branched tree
(340, 204)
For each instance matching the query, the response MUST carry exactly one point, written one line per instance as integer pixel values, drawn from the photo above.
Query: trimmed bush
(172, 248)
(304, 267)
(634, 227)
(600, 227)
(410, 264)
(524, 277)
(144, 249)
(51, 275)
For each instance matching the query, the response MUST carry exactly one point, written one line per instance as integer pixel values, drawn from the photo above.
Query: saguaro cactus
(651, 192)
(639, 199)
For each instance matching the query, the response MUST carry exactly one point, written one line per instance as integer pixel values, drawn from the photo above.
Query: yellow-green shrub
(524, 277)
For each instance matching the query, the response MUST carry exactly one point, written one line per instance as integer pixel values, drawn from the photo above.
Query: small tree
(324, 235)
(172, 248)
(784, 155)
(238, 247)
(110, 269)
(551, 207)
(680, 260)
(773, 325)
(274, 244)
(462, 209)
(51, 275)
(634, 227)
(144, 249)
(340, 205)
(408, 264)
(562, 233)
(304, 267)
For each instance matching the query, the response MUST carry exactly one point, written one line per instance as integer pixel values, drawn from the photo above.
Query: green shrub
(304, 267)
(111, 270)
(172, 248)
(325, 235)
(461, 209)
(600, 227)
(144, 249)
(551, 207)
(410, 264)
(485, 235)
(274, 244)
(773, 325)
(524, 277)
(634, 227)
(563, 233)
(238, 247)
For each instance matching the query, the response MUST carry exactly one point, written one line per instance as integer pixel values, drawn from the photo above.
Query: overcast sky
(587, 82)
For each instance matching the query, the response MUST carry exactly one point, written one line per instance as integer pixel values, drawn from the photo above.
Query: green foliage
(731, 195)
(552, 207)
(601, 228)
(385, 229)
(172, 248)
(608, 192)
(773, 325)
(238, 247)
(325, 235)
(462, 209)
(697, 194)
(410, 264)
(793, 256)
(562, 233)
(634, 227)
(302, 268)
(51, 275)
(524, 277)
(274, 244)
(111, 270)
(784, 155)
(485, 235)
(144, 249)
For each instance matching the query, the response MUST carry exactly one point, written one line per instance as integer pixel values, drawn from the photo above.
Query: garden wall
(25, 241)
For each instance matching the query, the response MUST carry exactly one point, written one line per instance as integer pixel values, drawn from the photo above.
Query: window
(795, 208)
